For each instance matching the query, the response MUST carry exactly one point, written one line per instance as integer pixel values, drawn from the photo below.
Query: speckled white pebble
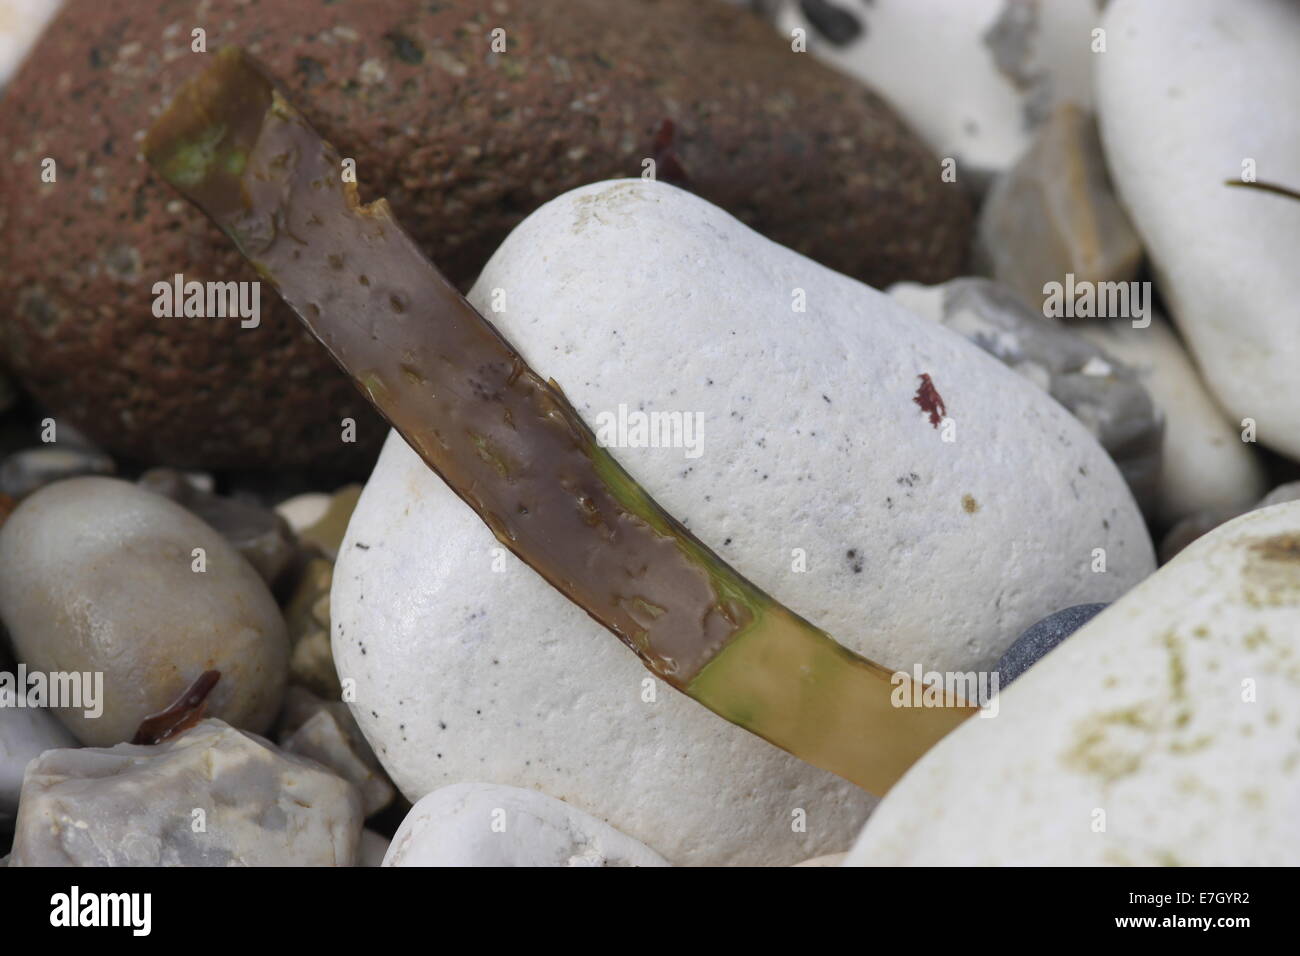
(1163, 732)
(481, 824)
(916, 549)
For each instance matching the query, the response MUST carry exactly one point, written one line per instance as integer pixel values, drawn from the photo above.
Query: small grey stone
(833, 21)
(25, 471)
(1041, 638)
(374, 846)
(1281, 494)
(327, 732)
(259, 534)
(1203, 522)
(1188, 529)
(1055, 213)
(211, 796)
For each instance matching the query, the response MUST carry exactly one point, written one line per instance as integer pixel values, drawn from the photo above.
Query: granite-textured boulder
(822, 472)
(98, 575)
(476, 824)
(1162, 733)
(463, 140)
(212, 796)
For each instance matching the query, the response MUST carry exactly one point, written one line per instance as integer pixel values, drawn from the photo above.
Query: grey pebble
(259, 534)
(31, 469)
(1041, 638)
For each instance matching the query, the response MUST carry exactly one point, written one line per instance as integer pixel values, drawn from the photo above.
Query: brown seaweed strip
(509, 443)
(182, 714)
(1275, 188)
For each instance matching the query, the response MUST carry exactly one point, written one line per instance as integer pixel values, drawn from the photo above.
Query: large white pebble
(1206, 464)
(815, 454)
(1163, 732)
(99, 576)
(483, 824)
(1191, 93)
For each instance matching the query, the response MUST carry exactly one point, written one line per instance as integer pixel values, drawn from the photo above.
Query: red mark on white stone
(931, 402)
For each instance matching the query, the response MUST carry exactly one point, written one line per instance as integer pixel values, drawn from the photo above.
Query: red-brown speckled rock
(463, 141)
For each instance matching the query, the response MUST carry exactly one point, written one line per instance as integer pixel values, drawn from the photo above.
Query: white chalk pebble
(469, 667)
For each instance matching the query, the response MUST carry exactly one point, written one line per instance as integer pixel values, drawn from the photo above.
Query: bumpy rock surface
(137, 806)
(1101, 392)
(1161, 733)
(1055, 213)
(476, 824)
(463, 141)
(98, 575)
(817, 451)
(1189, 94)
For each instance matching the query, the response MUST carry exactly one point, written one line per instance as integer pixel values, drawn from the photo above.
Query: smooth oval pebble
(480, 824)
(97, 575)
(468, 666)
(1190, 96)
(1162, 733)
(1032, 645)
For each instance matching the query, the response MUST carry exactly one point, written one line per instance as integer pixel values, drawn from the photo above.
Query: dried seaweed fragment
(509, 443)
(182, 714)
